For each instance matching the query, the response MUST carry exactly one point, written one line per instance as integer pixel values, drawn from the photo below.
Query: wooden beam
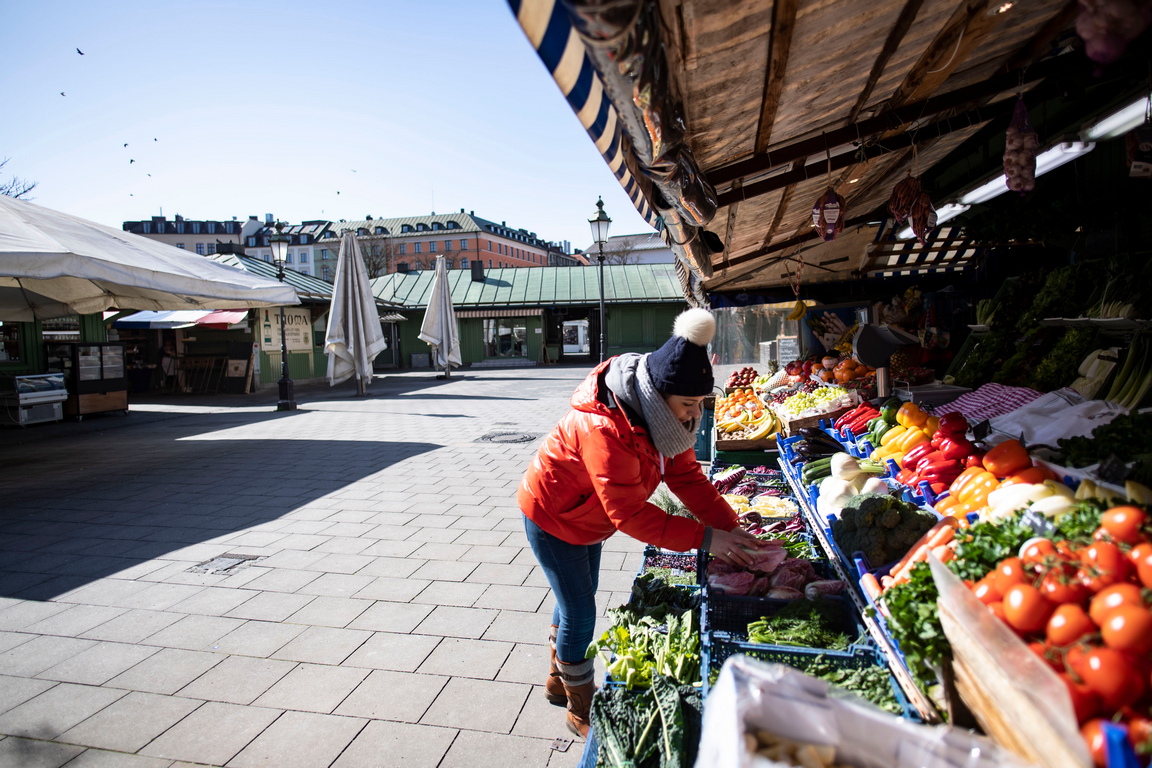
(781, 209)
(961, 98)
(895, 37)
(783, 25)
(959, 36)
(1040, 44)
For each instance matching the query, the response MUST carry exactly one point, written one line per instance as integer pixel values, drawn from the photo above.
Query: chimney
(477, 271)
(269, 219)
(461, 210)
(402, 267)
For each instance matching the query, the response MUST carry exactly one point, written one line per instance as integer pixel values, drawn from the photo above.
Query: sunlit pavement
(391, 612)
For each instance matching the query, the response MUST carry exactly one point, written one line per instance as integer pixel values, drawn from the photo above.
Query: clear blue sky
(245, 108)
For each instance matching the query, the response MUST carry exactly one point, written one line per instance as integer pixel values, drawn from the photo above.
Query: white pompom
(696, 325)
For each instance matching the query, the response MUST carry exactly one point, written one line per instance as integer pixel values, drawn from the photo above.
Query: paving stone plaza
(206, 581)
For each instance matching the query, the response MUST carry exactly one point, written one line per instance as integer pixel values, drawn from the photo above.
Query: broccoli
(879, 526)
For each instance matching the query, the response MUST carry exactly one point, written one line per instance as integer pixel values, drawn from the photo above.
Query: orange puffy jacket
(596, 470)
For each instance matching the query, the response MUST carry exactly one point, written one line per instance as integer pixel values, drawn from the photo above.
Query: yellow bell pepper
(910, 415)
(931, 425)
(891, 435)
(910, 439)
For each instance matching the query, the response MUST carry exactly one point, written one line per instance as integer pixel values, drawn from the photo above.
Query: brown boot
(579, 687)
(554, 687)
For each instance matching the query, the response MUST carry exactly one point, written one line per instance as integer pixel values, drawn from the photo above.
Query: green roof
(308, 288)
(538, 286)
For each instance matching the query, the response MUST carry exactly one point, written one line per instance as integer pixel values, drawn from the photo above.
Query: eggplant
(807, 450)
(816, 435)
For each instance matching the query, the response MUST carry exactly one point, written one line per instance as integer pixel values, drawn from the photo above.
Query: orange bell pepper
(947, 505)
(1007, 458)
(975, 493)
(963, 479)
(1030, 475)
(910, 415)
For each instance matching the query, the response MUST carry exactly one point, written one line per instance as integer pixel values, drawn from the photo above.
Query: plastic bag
(751, 695)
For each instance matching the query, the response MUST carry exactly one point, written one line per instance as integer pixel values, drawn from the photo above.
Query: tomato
(986, 591)
(1085, 701)
(1140, 733)
(1108, 672)
(1128, 628)
(1094, 738)
(1061, 585)
(997, 609)
(1037, 551)
(1110, 598)
(1103, 564)
(1026, 609)
(1124, 523)
(1043, 652)
(1141, 557)
(1010, 571)
(1068, 624)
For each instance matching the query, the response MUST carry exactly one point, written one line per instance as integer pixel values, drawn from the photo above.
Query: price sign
(1113, 470)
(788, 349)
(981, 430)
(1038, 523)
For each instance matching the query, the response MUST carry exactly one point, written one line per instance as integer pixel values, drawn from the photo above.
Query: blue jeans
(573, 572)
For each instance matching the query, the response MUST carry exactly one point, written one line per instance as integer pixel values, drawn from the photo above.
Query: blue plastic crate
(717, 649)
(730, 616)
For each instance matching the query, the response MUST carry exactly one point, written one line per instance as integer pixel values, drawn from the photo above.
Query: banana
(798, 310)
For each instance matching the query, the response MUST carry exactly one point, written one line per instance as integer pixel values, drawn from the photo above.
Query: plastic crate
(717, 649)
(687, 562)
(731, 615)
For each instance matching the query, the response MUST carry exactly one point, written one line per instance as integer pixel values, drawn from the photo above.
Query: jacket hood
(589, 395)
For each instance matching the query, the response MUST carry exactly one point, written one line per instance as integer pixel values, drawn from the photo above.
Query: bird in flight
(125, 143)
(79, 51)
(131, 161)
(61, 93)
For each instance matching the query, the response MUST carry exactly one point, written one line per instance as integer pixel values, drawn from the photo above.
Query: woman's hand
(732, 546)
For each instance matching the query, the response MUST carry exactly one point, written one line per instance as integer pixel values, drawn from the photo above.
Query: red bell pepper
(938, 437)
(956, 447)
(935, 457)
(1007, 458)
(905, 476)
(953, 423)
(941, 472)
(854, 414)
(912, 458)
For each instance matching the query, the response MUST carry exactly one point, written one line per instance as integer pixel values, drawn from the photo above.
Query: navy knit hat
(681, 366)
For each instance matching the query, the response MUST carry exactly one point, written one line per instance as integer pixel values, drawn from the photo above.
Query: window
(416, 247)
(464, 263)
(179, 227)
(200, 248)
(9, 341)
(381, 231)
(361, 232)
(288, 258)
(421, 227)
(268, 257)
(180, 245)
(402, 249)
(489, 263)
(195, 227)
(209, 228)
(463, 245)
(230, 227)
(251, 242)
(211, 248)
(303, 257)
(147, 227)
(437, 226)
(432, 247)
(489, 250)
(405, 227)
(327, 272)
(324, 255)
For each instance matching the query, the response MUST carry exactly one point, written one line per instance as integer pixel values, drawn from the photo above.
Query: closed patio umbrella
(439, 328)
(53, 264)
(354, 335)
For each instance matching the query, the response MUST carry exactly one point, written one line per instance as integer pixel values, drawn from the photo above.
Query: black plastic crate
(680, 564)
(731, 614)
(717, 649)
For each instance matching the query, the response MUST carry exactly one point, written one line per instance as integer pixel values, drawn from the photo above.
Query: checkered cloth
(989, 401)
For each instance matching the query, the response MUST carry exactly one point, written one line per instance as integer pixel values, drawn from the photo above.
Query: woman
(632, 425)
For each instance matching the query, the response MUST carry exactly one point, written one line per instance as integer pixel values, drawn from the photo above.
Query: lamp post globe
(279, 245)
(599, 224)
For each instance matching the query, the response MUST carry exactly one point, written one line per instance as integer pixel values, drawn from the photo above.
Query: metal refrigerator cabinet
(94, 373)
(32, 399)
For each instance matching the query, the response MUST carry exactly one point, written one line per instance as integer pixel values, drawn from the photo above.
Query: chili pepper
(956, 447)
(910, 415)
(905, 476)
(878, 432)
(913, 456)
(1007, 458)
(953, 423)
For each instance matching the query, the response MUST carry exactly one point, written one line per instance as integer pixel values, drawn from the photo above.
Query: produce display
(655, 728)
(819, 401)
(743, 416)
(880, 526)
(741, 378)
(803, 624)
(778, 750)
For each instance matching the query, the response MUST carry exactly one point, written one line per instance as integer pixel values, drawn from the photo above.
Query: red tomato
(1085, 701)
(1124, 523)
(1010, 571)
(986, 591)
(1094, 738)
(1026, 609)
(1108, 672)
(1110, 598)
(1037, 551)
(1141, 557)
(997, 609)
(1128, 628)
(1103, 564)
(1140, 733)
(1068, 624)
(1042, 652)
(1061, 585)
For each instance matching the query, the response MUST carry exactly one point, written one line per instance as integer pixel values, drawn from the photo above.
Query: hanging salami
(828, 215)
(923, 217)
(904, 195)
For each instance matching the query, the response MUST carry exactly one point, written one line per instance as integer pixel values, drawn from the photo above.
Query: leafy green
(802, 623)
(653, 596)
(637, 648)
(655, 728)
(1058, 368)
(871, 683)
(673, 577)
(1129, 436)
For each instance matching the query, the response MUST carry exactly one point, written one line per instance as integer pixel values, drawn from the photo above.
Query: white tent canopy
(354, 337)
(440, 329)
(53, 264)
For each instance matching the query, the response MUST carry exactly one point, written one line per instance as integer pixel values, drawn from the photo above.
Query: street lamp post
(599, 224)
(279, 243)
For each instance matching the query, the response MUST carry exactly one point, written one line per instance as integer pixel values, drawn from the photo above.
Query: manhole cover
(223, 564)
(507, 437)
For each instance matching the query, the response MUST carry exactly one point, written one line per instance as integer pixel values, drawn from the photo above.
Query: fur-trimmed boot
(579, 687)
(554, 688)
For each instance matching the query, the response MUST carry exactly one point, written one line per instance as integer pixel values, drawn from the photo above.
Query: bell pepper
(932, 457)
(975, 492)
(1031, 475)
(912, 457)
(1007, 458)
(904, 476)
(941, 472)
(963, 479)
(956, 447)
(892, 435)
(910, 415)
(912, 437)
(945, 506)
(953, 423)
(890, 408)
(931, 425)
(975, 459)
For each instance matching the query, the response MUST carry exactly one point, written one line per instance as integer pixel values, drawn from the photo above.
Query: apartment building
(198, 236)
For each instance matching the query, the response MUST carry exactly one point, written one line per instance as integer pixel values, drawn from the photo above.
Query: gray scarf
(629, 380)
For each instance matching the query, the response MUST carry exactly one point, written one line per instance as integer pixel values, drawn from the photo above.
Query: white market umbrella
(439, 328)
(354, 336)
(53, 264)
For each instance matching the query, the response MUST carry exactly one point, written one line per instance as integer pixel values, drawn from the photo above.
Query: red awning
(223, 318)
